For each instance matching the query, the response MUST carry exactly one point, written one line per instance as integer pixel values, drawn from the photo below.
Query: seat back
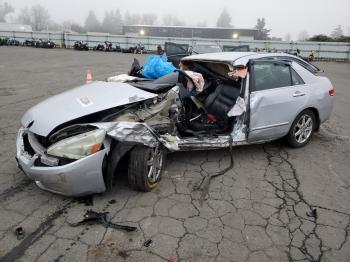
(221, 100)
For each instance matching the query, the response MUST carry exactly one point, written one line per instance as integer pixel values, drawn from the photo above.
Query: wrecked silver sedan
(74, 143)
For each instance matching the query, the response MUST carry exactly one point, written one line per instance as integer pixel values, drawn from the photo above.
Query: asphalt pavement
(276, 204)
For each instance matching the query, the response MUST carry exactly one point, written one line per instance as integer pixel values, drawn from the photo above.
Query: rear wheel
(302, 129)
(145, 167)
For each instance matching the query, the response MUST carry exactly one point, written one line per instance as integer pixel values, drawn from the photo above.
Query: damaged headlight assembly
(79, 146)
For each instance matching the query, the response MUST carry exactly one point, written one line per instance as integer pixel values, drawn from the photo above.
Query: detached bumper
(81, 177)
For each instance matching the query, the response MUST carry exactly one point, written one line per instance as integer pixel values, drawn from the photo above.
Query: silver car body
(271, 114)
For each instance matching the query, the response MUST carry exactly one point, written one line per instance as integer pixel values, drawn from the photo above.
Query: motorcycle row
(29, 42)
(106, 46)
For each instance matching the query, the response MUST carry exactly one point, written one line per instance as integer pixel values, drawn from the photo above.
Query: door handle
(298, 93)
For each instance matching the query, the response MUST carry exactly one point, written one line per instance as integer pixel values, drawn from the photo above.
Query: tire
(302, 129)
(145, 168)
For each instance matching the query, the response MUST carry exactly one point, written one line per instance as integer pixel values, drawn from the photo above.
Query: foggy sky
(282, 16)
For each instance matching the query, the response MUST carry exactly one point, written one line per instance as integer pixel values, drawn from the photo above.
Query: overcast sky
(282, 16)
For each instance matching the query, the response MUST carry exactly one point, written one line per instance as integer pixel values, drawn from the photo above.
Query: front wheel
(145, 167)
(302, 129)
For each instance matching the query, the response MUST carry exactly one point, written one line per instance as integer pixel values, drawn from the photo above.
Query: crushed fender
(101, 218)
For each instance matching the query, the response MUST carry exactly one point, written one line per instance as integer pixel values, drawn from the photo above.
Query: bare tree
(149, 19)
(5, 8)
(25, 16)
(132, 19)
(337, 32)
(171, 20)
(37, 16)
(91, 22)
(112, 22)
(40, 17)
(263, 33)
(224, 19)
(303, 35)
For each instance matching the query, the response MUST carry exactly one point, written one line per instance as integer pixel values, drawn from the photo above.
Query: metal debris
(101, 218)
(313, 213)
(19, 233)
(147, 243)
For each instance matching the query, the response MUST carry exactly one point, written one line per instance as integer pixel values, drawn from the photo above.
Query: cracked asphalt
(276, 204)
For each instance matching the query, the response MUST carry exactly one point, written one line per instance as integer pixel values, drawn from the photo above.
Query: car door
(277, 95)
(176, 52)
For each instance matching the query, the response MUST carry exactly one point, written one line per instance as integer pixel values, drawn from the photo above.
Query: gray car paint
(80, 101)
(103, 95)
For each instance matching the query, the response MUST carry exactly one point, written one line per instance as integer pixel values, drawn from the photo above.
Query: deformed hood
(79, 102)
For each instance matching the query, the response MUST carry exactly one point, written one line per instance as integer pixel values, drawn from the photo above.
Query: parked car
(3, 41)
(78, 148)
(176, 52)
(237, 48)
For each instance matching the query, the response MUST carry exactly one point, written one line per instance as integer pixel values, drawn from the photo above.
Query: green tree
(320, 38)
(263, 33)
(91, 23)
(224, 19)
(112, 22)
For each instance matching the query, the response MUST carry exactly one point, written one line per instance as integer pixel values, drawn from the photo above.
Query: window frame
(252, 87)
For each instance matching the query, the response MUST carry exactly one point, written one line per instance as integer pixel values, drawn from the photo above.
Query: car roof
(222, 56)
(239, 58)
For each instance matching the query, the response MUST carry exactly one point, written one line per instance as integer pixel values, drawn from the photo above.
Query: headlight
(79, 146)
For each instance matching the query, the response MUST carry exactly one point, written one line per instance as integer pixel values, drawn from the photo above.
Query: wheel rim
(303, 129)
(154, 165)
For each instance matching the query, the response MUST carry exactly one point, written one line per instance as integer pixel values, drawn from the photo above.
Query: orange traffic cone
(88, 76)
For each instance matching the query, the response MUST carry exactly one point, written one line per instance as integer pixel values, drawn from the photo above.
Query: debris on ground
(313, 213)
(19, 232)
(147, 243)
(101, 218)
(86, 200)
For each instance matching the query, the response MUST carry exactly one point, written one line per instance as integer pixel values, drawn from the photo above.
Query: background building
(190, 32)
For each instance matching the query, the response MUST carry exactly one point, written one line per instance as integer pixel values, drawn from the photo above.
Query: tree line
(39, 18)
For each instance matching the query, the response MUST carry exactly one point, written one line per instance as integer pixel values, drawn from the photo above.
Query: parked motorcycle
(108, 46)
(29, 42)
(99, 47)
(13, 42)
(80, 45)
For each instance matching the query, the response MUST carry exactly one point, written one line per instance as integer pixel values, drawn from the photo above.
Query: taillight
(331, 91)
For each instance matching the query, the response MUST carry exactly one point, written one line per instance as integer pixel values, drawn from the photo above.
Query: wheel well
(317, 117)
(117, 157)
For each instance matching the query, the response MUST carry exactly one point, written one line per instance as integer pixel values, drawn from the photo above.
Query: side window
(296, 79)
(175, 49)
(269, 75)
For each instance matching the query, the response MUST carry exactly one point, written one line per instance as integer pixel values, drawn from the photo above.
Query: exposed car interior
(205, 112)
